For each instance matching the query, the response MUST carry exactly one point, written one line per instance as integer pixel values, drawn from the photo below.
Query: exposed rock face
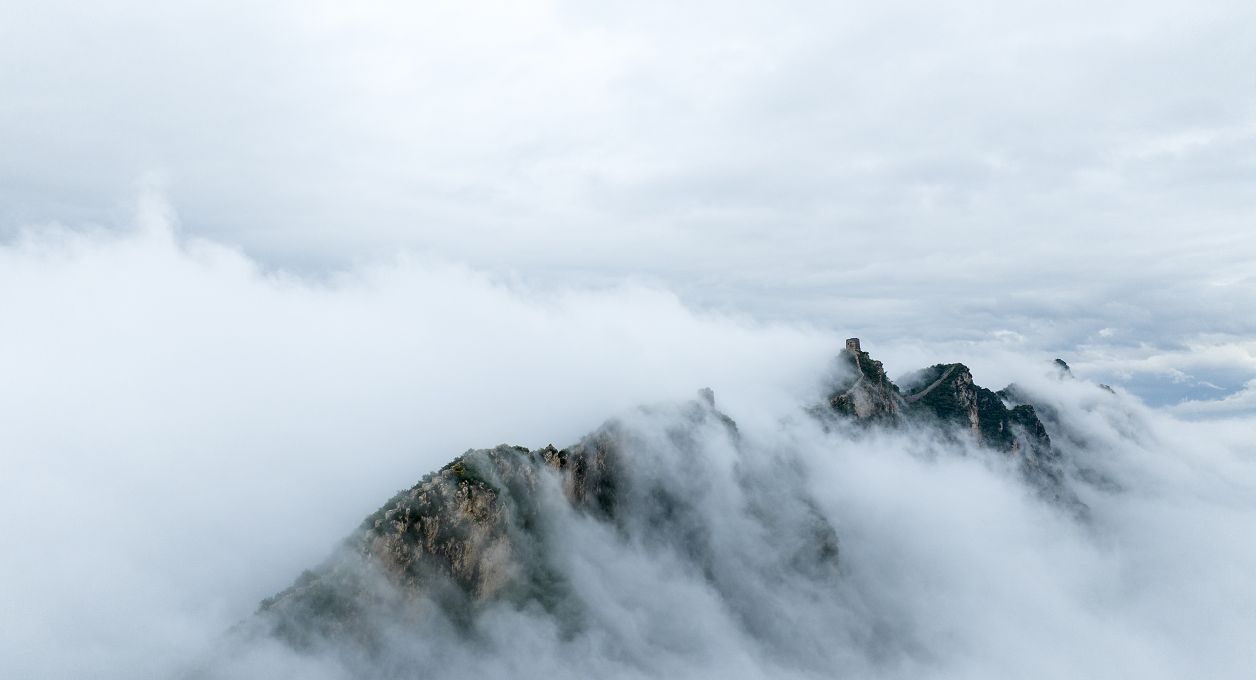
(868, 394)
(947, 395)
(481, 530)
(466, 534)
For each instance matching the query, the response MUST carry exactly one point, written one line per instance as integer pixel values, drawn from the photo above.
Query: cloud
(1052, 170)
(1242, 401)
(185, 430)
(403, 231)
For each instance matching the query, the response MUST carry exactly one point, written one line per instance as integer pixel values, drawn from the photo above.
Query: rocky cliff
(865, 392)
(467, 534)
(482, 529)
(946, 396)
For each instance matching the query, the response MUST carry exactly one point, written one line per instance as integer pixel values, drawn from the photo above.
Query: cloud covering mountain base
(186, 433)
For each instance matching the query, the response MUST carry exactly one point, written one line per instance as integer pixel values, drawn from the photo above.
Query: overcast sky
(1067, 178)
(262, 264)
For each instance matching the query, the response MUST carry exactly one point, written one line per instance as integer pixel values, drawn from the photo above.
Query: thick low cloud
(1073, 175)
(184, 431)
(600, 207)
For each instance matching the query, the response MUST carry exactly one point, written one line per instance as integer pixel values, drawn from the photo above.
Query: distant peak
(1063, 368)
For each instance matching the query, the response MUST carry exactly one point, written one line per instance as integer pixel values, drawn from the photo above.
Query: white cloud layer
(1074, 173)
(408, 229)
(184, 432)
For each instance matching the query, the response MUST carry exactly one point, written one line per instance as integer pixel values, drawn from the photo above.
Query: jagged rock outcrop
(466, 534)
(943, 392)
(946, 395)
(481, 531)
(867, 393)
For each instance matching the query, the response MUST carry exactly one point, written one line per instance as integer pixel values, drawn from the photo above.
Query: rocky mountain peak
(1062, 368)
(947, 396)
(866, 393)
(480, 529)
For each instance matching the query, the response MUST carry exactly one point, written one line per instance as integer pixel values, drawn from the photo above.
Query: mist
(185, 430)
(1055, 177)
(373, 235)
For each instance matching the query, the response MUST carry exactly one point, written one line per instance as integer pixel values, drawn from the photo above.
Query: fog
(185, 430)
(1059, 177)
(374, 235)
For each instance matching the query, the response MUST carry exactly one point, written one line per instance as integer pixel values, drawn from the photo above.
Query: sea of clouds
(602, 206)
(183, 431)
(1058, 176)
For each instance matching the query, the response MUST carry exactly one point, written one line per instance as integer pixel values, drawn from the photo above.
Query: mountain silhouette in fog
(495, 527)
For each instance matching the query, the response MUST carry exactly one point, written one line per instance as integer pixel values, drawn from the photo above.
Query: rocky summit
(481, 531)
(466, 534)
(946, 396)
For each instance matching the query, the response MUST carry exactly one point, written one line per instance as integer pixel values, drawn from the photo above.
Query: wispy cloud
(184, 431)
(935, 173)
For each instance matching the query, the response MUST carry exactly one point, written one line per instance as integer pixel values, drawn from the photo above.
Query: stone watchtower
(852, 345)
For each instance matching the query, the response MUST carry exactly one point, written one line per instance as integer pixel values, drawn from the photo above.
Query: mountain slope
(495, 527)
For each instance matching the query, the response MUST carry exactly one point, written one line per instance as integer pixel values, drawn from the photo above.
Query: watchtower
(852, 345)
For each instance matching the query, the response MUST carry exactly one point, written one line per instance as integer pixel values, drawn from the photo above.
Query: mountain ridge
(480, 531)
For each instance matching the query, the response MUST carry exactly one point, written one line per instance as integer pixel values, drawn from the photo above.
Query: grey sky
(1079, 179)
(263, 264)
